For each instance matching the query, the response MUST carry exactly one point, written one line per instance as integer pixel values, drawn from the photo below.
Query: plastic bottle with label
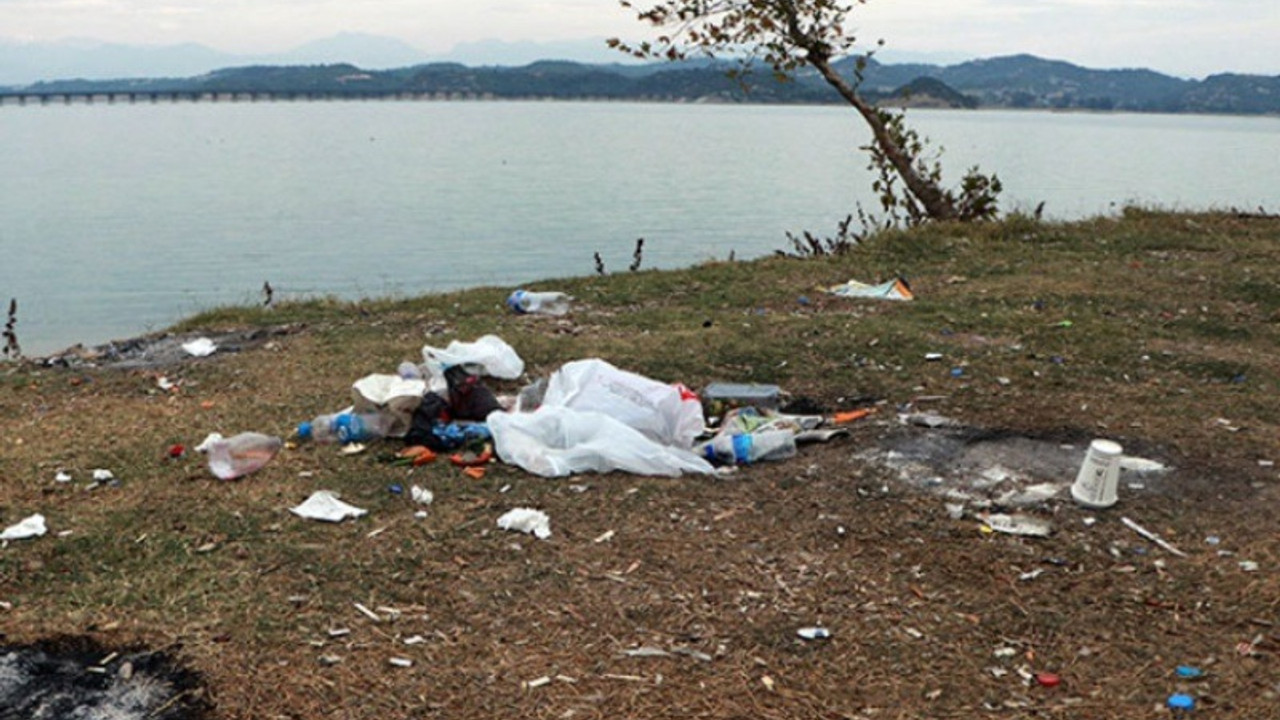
(239, 455)
(748, 448)
(345, 427)
(542, 303)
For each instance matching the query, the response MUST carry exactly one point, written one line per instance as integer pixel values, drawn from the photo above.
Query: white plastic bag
(391, 396)
(660, 411)
(490, 352)
(558, 441)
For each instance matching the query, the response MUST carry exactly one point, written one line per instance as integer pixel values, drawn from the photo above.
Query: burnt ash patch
(75, 677)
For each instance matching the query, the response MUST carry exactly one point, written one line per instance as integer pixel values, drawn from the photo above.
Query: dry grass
(1170, 347)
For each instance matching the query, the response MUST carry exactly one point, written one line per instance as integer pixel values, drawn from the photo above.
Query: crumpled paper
(325, 505)
(527, 520)
(29, 528)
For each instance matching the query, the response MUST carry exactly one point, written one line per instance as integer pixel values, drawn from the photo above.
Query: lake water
(120, 219)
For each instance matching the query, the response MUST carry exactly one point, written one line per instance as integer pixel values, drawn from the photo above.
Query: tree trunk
(936, 204)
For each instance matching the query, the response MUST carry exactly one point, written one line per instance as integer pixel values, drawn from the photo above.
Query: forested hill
(1020, 81)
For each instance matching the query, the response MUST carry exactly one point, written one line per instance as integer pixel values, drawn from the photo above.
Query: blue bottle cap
(1180, 701)
(1187, 671)
(304, 430)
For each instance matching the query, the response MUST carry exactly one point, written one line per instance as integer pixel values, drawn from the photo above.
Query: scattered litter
(844, 418)
(367, 612)
(242, 454)
(414, 640)
(604, 537)
(401, 662)
(200, 347)
(1213, 540)
(62, 477)
(325, 505)
(1248, 566)
(524, 302)
(1151, 536)
(339, 632)
(165, 383)
(1031, 575)
(176, 451)
(1095, 485)
(527, 520)
(1188, 672)
(892, 290)
(103, 475)
(1018, 525)
(352, 448)
(1049, 680)
(646, 651)
(1004, 652)
(955, 511)
(421, 514)
(1139, 465)
(814, 633)
(29, 528)
(932, 357)
(421, 496)
(1180, 701)
(536, 683)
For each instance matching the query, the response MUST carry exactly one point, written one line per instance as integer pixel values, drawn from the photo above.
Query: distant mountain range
(23, 63)
(1019, 81)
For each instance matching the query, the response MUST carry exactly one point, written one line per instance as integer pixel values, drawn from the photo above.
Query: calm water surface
(116, 220)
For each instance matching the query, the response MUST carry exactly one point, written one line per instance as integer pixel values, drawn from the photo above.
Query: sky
(1188, 38)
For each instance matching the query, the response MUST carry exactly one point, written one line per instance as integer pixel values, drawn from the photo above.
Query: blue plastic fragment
(396, 489)
(1189, 672)
(1179, 701)
(957, 371)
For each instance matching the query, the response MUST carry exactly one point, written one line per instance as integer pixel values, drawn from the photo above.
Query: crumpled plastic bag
(664, 413)
(527, 520)
(391, 396)
(200, 347)
(490, 352)
(325, 505)
(29, 528)
(559, 441)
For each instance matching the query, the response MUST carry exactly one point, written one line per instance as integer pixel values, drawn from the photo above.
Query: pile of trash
(587, 416)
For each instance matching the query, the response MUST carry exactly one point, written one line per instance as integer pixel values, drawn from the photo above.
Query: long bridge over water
(120, 97)
(124, 97)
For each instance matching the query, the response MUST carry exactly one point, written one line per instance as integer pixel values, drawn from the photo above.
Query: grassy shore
(1155, 329)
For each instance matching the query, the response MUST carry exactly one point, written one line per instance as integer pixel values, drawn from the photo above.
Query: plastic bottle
(747, 448)
(239, 455)
(345, 427)
(542, 303)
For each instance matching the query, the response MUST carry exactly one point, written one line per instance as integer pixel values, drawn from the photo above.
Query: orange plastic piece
(424, 457)
(851, 416)
(474, 472)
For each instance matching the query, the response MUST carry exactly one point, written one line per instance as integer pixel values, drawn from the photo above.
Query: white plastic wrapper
(325, 505)
(494, 356)
(660, 411)
(527, 520)
(558, 441)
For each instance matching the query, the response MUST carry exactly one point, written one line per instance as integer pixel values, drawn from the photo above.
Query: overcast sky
(1190, 38)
